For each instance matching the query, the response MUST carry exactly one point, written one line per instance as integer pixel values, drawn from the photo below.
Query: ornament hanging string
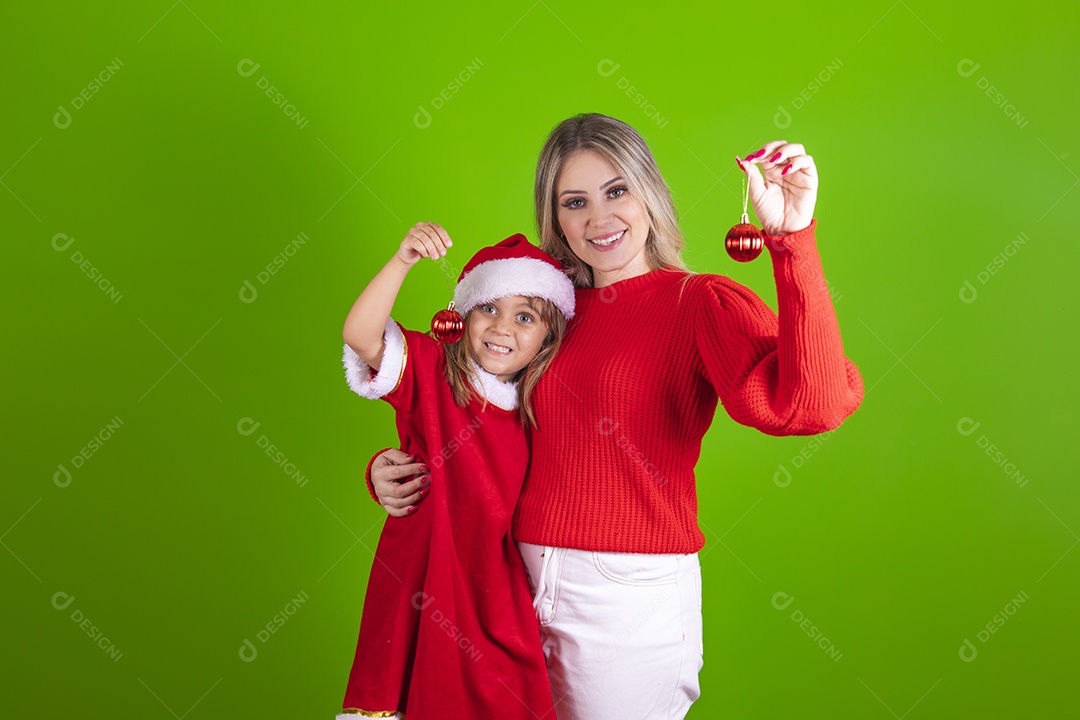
(745, 199)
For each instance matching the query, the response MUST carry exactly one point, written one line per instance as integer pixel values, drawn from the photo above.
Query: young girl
(448, 629)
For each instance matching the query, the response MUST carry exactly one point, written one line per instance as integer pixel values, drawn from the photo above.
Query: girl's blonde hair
(628, 153)
(462, 376)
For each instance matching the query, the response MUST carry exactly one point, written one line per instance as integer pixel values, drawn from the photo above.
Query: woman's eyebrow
(582, 192)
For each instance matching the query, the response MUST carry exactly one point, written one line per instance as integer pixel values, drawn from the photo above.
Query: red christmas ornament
(448, 326)
(744, 241)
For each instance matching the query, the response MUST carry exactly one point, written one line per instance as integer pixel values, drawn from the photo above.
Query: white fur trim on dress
(530, 277)
(358, 372)
(498, 393)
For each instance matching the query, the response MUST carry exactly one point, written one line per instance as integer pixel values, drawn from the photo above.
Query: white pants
(621, 631)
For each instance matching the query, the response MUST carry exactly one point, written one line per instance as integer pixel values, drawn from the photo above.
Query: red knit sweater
(624, 406)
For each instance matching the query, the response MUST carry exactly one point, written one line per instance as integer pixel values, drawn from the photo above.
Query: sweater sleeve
(786, 374)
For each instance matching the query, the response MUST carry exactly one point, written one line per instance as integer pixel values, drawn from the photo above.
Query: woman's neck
(602, 279)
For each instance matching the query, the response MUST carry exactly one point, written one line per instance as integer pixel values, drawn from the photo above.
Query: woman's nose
(599, 215)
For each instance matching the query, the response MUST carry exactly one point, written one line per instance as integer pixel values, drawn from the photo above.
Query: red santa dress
(448, 628)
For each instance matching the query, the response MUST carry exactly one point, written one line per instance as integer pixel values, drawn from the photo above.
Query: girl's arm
(367, 319)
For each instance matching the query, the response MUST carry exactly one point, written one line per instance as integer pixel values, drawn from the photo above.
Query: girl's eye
(525, 318)
(573, 203)
(489, 309)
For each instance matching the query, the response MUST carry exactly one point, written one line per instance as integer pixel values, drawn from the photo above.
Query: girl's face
(605, 226)
(504, 335)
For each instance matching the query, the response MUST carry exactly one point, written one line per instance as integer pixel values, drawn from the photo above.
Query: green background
(180, 180)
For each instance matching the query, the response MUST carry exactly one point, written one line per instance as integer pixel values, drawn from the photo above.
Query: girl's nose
(503, 326)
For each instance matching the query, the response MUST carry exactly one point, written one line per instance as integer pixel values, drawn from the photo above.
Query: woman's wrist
(781, 232)
(794, 242)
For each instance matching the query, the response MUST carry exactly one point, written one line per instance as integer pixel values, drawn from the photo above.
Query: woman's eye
(616, 192)
(573, 203)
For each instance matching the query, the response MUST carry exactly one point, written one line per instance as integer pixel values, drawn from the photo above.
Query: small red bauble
(744, 241)
(448, 326)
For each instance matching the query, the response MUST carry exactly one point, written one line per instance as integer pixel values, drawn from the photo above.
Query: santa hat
(513, 267)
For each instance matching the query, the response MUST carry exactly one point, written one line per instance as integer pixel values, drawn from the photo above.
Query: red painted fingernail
(739, 163)
(775, 157)
(423, 492)
(759, 153)
(786, 170)
(411, 510)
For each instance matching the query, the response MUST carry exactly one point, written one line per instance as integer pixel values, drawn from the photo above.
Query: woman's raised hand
(424, 240)
(783, 192)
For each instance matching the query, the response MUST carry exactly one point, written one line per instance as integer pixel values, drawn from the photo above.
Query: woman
(607, 519)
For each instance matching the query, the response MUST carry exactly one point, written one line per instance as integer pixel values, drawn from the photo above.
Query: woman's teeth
(607, 241)
(497, 348)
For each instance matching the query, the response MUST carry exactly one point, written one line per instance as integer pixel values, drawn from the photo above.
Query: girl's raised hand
(424, 240)
(784, 191)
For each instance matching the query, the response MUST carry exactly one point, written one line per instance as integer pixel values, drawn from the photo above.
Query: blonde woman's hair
(628, 153)
(461, 375)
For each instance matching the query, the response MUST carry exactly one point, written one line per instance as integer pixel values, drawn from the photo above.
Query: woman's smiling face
(605, 226)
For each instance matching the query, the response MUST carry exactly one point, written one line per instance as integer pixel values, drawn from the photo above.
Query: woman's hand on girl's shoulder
(784, 190)
(424, 240)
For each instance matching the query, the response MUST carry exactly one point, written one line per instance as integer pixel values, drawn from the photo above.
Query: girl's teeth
(497, 348)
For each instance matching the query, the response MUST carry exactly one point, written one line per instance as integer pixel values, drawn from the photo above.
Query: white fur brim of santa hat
(516, 267)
